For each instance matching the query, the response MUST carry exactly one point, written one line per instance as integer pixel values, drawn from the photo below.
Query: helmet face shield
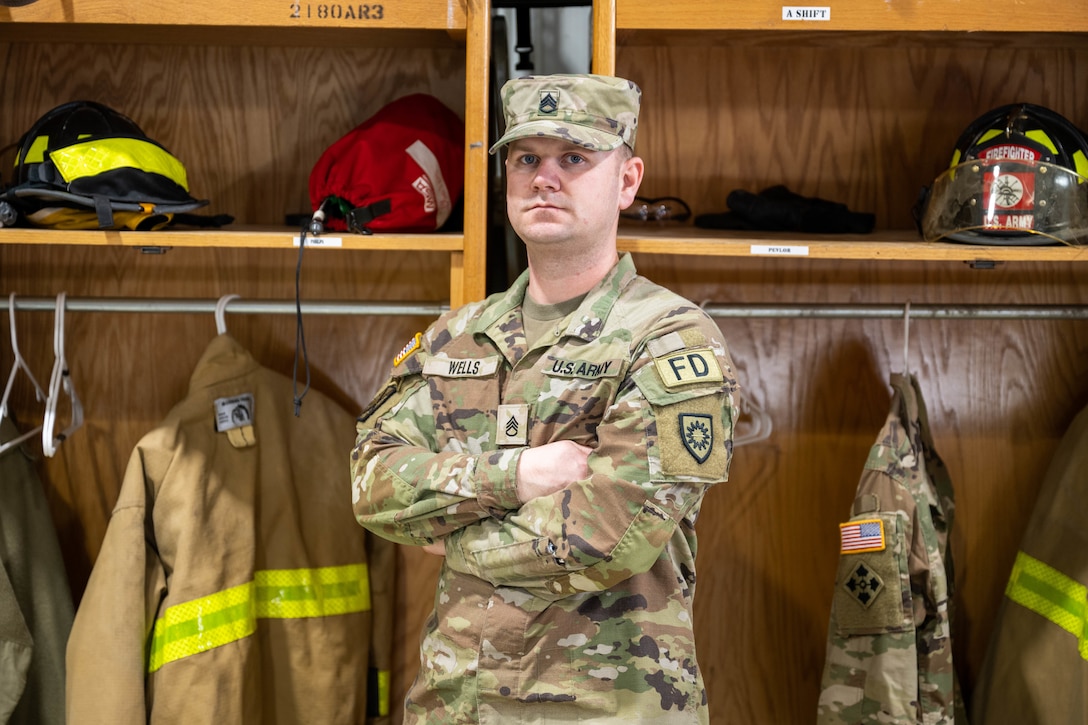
(1018, 177)
(1003, 201)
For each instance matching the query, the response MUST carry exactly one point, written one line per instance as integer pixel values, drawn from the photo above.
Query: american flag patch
(408, 349)
(859, 536)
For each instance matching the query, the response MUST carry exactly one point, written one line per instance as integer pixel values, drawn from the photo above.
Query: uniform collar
(586, 322)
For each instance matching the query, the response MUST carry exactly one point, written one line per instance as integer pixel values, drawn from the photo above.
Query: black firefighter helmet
(83, 165)
(1018, 177)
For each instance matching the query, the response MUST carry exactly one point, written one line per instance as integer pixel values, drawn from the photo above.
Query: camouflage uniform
(577, 606)
(889, 649)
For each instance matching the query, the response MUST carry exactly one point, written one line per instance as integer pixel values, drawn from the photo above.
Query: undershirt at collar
(539, 319)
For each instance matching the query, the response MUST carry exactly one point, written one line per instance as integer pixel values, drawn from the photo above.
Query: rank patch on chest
(513, 425)
(697, 434)
(689, 366)
(863, 584)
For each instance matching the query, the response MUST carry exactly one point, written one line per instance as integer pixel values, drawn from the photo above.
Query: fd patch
(697, 434)
(687, 367)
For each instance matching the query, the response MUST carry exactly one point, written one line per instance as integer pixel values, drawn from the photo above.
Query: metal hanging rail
(873, 311)
(196, 306)
(433, 309)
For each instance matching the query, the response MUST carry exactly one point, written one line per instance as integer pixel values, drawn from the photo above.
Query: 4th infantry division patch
(863, 584)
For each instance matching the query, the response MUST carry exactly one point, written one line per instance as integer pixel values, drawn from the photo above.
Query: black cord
(300, 337)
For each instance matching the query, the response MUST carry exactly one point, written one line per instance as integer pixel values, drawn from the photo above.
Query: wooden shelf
(202, 39)
(901, 15)
(881, 246)
(252, 237)
(253, 36)
(386, 15)
(797, 35)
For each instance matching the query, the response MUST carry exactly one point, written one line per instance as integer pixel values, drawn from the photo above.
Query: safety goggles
(661, 209)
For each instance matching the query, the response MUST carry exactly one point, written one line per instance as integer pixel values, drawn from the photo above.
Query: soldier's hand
(438, 548)
(551, 467)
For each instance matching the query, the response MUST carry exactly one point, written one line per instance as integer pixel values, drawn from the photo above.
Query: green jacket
(35, 599)
(575, 606)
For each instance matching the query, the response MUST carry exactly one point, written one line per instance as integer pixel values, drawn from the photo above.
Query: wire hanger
(18, 364)
(761, 425)
(221, 313)
(906, 338)
(58, 381)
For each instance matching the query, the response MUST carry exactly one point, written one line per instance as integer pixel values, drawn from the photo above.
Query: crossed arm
(542, 471)
(554, 519)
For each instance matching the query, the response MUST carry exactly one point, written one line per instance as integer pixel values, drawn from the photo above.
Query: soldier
(555, 442)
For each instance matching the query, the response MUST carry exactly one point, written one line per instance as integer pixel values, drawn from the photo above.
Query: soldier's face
(558, 192)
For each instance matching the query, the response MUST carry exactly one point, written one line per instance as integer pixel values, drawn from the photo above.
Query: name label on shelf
(794, 12)
(782, 251)
(320, 241)
(336, 11)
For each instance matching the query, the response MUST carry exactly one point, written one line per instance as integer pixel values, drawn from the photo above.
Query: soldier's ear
(630, 180)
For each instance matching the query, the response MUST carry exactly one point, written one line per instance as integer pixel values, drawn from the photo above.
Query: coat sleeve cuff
(497, 479)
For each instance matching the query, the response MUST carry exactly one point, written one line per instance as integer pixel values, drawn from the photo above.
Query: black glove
(779, 209)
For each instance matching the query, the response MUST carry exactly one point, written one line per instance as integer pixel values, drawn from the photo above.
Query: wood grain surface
(864, 125)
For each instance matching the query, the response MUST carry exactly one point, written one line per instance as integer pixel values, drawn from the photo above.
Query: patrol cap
(593, 111)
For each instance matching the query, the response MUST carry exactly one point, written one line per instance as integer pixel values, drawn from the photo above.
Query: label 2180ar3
(336, 11)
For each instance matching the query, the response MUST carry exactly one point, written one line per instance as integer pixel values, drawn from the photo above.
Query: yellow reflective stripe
(1047, 592)
(91, 158)
(1039, 136)
(1081, 162)
(36, 153)
(299, 593)
(201, 624)
(385, 677)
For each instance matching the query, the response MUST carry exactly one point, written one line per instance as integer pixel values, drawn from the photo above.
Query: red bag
(401, 170)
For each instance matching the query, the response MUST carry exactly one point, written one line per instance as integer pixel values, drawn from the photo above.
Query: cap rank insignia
(549, 102)
(408, 350)
(697, 434)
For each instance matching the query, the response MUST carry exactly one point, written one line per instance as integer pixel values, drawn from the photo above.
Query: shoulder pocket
(397, 388)
(872, 588)
(694, 426)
